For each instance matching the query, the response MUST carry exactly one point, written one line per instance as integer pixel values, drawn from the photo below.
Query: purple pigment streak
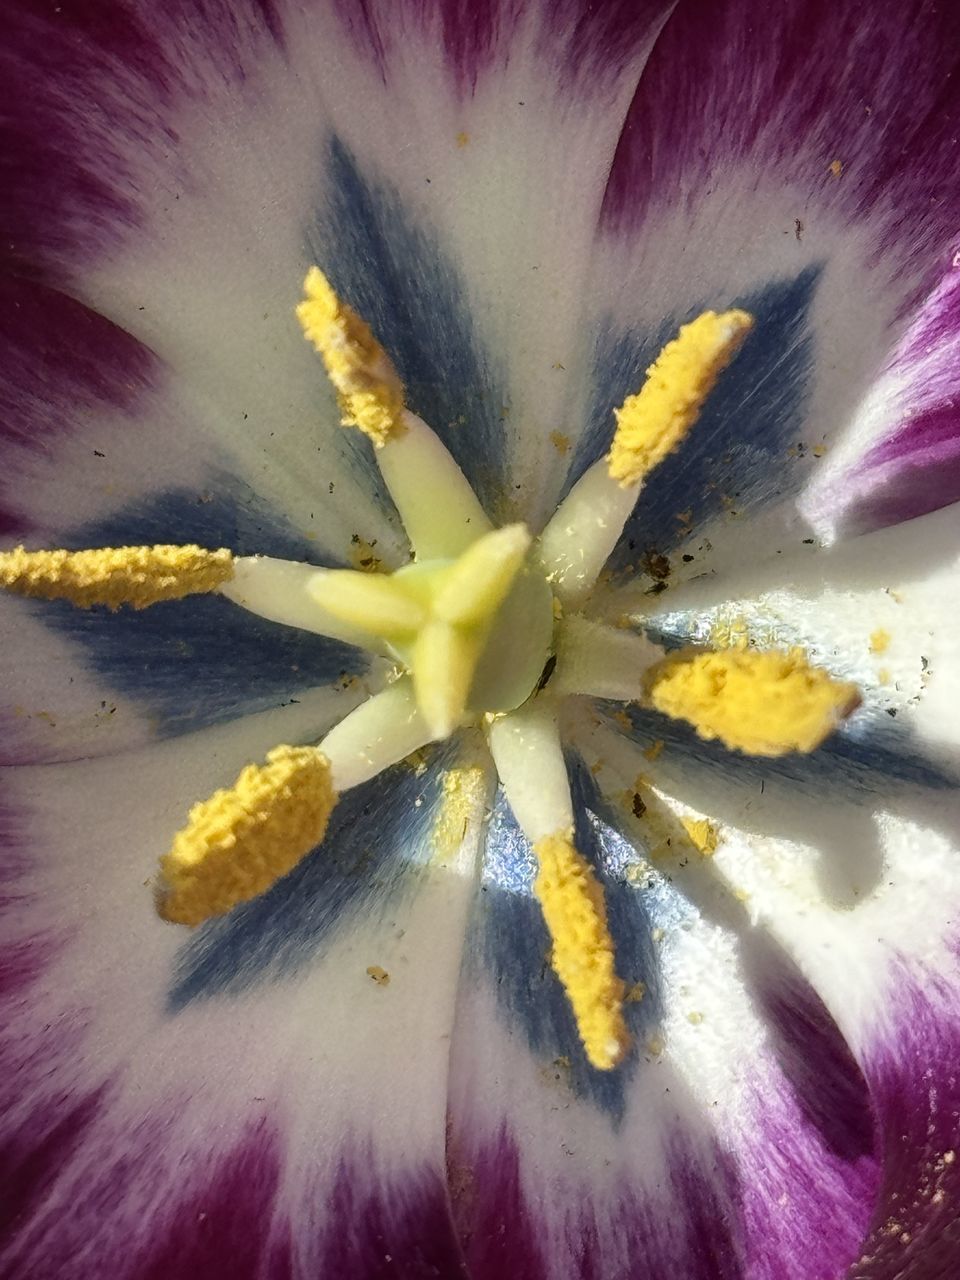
(222, 1230)
(913, 1069)
(582, 44)
(401, 1232)
(722, 70)
(57, 360)
(86, 86)
(911, 473)
(689, 1231)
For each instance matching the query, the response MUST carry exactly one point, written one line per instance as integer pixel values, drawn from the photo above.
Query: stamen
(527, 752)
(763, 704)
(380, 732)
(439, 511)
(652, 423)
(112, 576)
(367, 385)
(582, 957)
(579, 538)
(280, 591)
(242, 840)
(601, 661)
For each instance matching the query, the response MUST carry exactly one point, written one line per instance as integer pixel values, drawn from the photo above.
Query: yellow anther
(112, 576)
(763, 704)
(375, 602)
(582, 957)
(369, 391)
(653, 422)
(243, 839)
(479, 581)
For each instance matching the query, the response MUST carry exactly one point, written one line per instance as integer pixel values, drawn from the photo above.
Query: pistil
(577, 542)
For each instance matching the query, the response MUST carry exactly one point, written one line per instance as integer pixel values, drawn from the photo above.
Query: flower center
(484, 626)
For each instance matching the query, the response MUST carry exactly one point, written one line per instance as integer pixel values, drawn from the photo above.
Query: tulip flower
(477, 597)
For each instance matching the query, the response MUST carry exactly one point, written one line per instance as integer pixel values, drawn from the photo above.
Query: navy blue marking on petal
(510, 943)
(396, 275)
(202, 660)
(735, 458)
(375, 849)
(869, 758)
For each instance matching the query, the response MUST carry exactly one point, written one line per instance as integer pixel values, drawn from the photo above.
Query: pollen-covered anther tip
(582, 954)
(761, 703)
(244, 838)
(367, 386)
(114, 576)
(652, 423)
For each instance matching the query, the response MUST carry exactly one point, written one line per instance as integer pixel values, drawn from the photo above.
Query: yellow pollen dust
(763, 704)
(464, 796)
(703, 835)
(582, 957)
(112, 576)
(367, 385)
(243, 839)
(652, 423)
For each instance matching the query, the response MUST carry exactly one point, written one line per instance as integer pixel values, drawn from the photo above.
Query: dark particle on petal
(657, 565)
(548, 670)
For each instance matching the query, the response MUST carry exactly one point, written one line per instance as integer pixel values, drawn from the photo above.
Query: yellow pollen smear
(763, 704)
(367, 385)
(582, 957)
(112, 576)
(652, 423)
(464, 794)
(703, 835)
(242, 839)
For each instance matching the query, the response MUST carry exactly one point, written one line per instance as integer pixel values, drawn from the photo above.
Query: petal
(910, 1059)
(246, 1096)
(98, 450)
(877, 610)
(902, 456)
(724, 192)
(860, 888)
(736, 1141)
(412, 150)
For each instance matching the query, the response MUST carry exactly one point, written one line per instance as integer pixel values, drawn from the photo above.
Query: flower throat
(486, 627)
